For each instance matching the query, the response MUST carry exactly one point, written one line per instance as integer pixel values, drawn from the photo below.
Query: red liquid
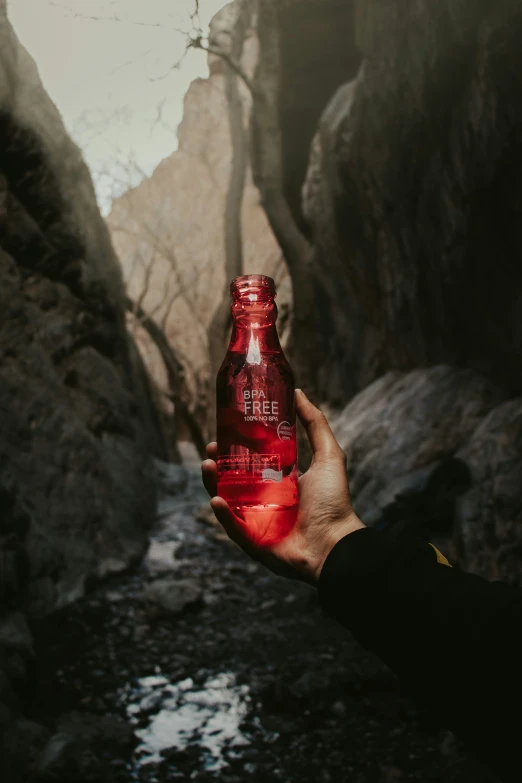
(257, 452)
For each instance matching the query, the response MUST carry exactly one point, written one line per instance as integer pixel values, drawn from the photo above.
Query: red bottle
(257, 449)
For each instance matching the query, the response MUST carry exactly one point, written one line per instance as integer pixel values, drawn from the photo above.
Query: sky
(112, 77)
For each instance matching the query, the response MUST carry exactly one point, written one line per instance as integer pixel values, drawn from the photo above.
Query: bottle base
(267, 524)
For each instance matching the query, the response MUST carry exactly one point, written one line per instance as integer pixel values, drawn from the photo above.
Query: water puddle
(175, 717)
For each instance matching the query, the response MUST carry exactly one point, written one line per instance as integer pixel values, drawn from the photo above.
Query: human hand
(325, 508)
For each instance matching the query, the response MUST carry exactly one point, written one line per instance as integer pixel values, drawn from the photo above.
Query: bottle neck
(254, 329)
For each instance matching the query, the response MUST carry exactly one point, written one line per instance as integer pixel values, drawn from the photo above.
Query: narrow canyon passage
(200, 665)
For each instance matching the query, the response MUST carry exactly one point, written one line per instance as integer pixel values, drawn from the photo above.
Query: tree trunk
(267, 168)
(220, 326)
(175, 375)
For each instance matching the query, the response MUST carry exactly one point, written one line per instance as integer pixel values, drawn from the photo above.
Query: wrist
(336, 532)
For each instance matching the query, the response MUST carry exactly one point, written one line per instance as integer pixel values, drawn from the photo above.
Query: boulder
(401, 435)
(438, 452)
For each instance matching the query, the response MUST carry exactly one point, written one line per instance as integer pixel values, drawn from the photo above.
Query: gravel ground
(200, 665)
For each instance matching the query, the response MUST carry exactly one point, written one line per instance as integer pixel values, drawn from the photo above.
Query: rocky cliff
(412, 196)
(169, 231)
(411, 204)
(77, 427)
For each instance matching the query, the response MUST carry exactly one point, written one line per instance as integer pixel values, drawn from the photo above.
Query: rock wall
(412, 195)
(413, 204)
(77, 425)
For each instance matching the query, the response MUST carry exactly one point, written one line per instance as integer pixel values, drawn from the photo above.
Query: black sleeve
(453, 639)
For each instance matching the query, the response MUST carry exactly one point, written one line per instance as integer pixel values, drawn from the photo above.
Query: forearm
(452, 638)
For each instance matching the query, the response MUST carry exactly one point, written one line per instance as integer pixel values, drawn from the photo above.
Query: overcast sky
(112, 77)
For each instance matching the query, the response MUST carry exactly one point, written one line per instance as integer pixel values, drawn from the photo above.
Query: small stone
(174, 595)
(114, 596)
(338, 709)
(160, 556)
(15, 635)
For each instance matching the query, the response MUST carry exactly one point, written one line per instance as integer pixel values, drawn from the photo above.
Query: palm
(324, 500)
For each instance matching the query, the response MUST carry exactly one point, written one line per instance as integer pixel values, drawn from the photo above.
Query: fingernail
(301, 392)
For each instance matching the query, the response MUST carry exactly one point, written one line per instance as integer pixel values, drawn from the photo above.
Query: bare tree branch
(175, 375)
(177, 65)
(201, 43)
(194, 16)
(267, 156)
(159, 118)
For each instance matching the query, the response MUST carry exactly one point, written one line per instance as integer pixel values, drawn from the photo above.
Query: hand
(325, 509)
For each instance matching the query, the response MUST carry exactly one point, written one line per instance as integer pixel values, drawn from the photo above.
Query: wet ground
(202, 666)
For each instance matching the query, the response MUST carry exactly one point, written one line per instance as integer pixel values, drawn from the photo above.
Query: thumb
(321, 437)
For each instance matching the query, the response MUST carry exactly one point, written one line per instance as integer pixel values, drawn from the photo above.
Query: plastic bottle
(256, 433)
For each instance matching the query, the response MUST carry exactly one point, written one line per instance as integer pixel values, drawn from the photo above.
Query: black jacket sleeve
(453, 639)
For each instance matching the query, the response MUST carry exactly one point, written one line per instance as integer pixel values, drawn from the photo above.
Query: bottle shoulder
(238, 365)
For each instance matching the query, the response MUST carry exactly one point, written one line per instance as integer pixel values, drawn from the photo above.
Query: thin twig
(199, 43)
(76, 15)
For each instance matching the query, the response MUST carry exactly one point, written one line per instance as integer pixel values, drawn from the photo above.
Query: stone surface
(489, 516)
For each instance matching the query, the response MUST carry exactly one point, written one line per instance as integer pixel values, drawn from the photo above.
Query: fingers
(212, 450)
(209, 476)
(232, 524)
(234, 528)
(314, 421)
(209, 469)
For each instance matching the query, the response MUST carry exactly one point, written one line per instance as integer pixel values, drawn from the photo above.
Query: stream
(201, 665)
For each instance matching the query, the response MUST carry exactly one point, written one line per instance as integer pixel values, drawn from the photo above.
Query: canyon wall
(401, 137)
(78, 427)
(412, 196)
(413, 204)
